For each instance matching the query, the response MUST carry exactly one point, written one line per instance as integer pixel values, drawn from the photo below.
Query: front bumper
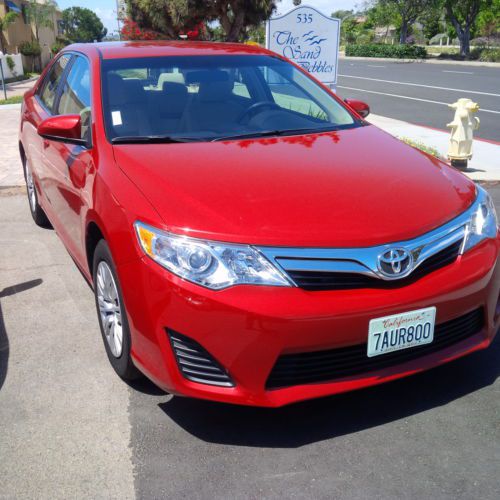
(246, 328)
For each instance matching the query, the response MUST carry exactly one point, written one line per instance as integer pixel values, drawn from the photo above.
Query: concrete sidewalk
(485, 163)
(18, 88)
(11, 173)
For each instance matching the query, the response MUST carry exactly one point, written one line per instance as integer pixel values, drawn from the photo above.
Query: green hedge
(382, 50)
(490, 55)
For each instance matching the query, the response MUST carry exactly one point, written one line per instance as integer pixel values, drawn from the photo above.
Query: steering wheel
(255, 109)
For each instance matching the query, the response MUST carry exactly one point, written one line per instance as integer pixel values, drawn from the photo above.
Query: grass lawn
(11, 100)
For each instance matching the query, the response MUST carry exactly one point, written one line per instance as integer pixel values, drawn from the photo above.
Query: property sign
(309, 38)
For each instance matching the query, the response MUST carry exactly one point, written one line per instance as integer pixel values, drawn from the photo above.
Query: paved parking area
(71, 428)
(10, 168)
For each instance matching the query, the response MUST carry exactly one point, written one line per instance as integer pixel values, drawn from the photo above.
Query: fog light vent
(196, 363)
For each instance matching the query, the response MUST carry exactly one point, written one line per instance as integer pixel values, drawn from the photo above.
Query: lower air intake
(196, 363)
(323, 366)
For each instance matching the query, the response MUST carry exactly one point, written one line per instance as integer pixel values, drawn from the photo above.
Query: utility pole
(2, 76)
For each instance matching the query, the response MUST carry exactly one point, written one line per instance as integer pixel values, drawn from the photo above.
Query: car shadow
(307, 422)
(4, 340)
(145, 386)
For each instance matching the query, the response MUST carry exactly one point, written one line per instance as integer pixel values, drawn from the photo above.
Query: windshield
(206, 98)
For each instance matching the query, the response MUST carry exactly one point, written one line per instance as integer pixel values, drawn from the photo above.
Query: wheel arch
(93, 235)
(22, 152)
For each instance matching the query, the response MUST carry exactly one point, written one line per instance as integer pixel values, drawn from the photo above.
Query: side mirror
(63, 128)
(360, 107)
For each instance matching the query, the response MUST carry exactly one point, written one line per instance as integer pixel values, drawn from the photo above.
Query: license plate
(401, 331)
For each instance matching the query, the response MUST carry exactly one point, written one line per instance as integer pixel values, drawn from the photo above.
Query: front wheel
(36, 210)
(112, 315)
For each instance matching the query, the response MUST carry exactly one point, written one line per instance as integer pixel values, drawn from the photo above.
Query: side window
(75, 96)
(49, 88)
(289, 96)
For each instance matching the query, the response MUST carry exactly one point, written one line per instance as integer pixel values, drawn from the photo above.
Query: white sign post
(309, 38)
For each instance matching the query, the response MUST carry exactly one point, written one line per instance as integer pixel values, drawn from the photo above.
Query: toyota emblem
(395, 262)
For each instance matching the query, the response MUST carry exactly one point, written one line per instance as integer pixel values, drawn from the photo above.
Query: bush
(11, 64)
(32, 49)
(490, 55)
(423, 147)
(59, 44)
(382, 50)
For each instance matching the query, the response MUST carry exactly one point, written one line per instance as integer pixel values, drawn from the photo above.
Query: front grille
(321, 366)
(196, 363)
(323, 280)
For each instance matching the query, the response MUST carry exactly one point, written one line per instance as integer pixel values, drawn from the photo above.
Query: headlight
(483, 222)
(207, 263)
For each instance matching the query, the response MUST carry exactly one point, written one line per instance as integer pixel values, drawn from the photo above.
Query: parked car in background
(249, 237)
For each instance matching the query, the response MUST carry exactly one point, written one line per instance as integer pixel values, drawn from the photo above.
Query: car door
(69, 166)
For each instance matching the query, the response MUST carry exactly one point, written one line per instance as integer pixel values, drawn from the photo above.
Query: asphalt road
(71, 429)
(419, 92)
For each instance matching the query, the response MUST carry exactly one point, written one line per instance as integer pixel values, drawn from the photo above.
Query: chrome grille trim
(364, 260)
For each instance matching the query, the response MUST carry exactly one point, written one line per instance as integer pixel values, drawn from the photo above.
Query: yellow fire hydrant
(462, 128)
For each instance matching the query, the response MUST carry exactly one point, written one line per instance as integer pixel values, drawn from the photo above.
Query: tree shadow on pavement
(317, 420)
(4, 340)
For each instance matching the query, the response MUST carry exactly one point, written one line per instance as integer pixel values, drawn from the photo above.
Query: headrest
(170, 77)
(173, 100)
(122, 91)
(177, 89)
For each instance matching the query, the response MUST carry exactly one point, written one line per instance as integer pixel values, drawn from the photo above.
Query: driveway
(71, 428)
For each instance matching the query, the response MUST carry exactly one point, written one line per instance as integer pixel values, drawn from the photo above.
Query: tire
(111, 314)
(35, 209)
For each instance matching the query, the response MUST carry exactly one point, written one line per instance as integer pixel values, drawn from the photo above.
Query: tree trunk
(463, 33)
(465, 42)
(236, 27)
(403, 33)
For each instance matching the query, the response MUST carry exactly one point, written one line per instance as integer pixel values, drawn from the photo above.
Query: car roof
(121, 50)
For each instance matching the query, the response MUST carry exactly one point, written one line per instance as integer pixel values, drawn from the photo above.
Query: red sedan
(249, 237)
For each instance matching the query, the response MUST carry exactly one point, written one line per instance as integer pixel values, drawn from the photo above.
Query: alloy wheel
(109, 308)
(31, 188)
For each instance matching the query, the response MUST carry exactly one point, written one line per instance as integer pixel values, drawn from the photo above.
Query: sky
(106, 9)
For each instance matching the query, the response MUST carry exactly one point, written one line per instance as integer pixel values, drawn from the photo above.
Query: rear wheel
(112, 315)
(36, 210)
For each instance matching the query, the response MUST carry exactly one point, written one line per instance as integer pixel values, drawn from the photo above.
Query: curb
(10, 106)
(422, 61)
(22, 82)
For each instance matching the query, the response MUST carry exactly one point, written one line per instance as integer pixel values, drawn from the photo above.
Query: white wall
(18, 66)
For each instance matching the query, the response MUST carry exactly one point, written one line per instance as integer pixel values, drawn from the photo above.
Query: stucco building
(22, 30)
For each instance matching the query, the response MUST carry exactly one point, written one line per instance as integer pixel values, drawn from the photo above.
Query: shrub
(59, 44)
(423, 147)
(490, 55)
(32, 49)
(11, 64)
(382, 50)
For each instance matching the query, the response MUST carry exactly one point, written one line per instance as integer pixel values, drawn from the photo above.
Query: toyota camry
(250, 238)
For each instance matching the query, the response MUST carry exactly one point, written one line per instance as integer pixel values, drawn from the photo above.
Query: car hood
(355, 187)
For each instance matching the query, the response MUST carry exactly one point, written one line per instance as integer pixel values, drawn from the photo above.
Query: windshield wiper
(150, 139)
(269, 133)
